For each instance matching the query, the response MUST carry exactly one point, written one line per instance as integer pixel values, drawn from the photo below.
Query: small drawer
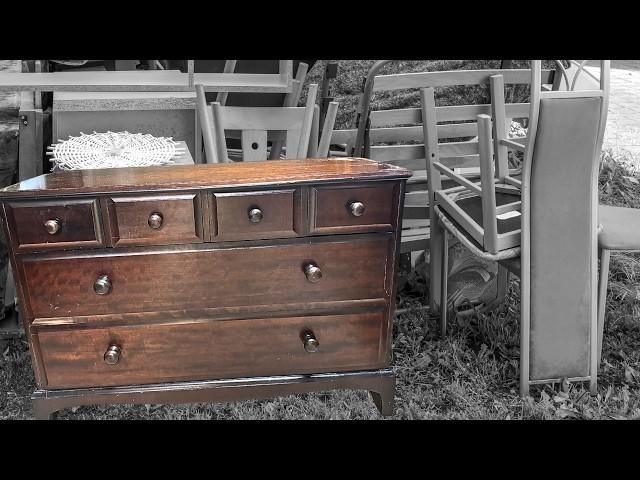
(59, 224)
(212, 349)
(353, 209)
(155, 220)
(256, 215)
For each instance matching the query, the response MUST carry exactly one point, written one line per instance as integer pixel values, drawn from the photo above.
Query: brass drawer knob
(102, 285)
(112, 355)
(356, 209)
(255, 215)
(313, 272)
(310, 342)
(53, 226)
(155, 220)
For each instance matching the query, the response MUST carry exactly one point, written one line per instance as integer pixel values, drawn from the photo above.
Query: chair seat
(620, 228)
(469, 242)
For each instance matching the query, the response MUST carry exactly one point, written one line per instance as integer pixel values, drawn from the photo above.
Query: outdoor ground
(470, 374)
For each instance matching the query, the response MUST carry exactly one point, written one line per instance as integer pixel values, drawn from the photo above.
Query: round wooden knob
(53, 226)
(102, 285)
(155, 220)
(313, 272)
(112, 355)
(356, 208)
(255, 215)
(310, 342)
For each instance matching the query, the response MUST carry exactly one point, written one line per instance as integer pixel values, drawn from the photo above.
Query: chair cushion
(620, 228)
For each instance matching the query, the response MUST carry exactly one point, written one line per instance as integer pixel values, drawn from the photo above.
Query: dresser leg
(383, 397)
(41, 410)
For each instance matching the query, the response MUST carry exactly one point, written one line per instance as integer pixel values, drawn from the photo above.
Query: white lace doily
(112, 150)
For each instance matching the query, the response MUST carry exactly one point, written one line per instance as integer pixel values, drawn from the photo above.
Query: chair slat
(457, 149)
(400, 116)
(453, 77)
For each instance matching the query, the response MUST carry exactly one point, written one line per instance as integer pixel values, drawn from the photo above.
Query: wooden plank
(265, 118)
(458, 149)
(453, 77)
(452, 113)
(457, 178)
(487, 176)
(396, 152)
(254, 145)
(142, 80)
(457, 113)
(415, 133)
(401, 116)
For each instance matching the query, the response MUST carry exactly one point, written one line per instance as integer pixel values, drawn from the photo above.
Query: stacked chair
(293, 129)
(543, 227)
(397, 136)
(262, 129)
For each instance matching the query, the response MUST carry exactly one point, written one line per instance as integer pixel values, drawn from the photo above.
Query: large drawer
(212, 349)
(55, 224)
(174, 278)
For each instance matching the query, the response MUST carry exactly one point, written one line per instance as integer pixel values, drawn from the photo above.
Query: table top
(272, 173)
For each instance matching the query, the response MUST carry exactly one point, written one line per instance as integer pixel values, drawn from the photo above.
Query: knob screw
(310, 342)
(102, 285)
(255, 215)
(155, 220)
(356, 209)
(313, 272)
(112, 355)
(53, 226)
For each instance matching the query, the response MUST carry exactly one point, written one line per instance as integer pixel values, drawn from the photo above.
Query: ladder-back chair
(254, 124)
(397, 136)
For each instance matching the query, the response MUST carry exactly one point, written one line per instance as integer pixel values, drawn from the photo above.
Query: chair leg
(444, 269)
(602, 296)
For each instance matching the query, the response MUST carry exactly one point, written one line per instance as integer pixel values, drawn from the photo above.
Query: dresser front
(134, 286)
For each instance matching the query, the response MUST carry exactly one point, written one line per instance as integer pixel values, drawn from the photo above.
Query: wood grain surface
(209, 350)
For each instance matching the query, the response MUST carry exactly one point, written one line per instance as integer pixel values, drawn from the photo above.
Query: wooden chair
(254, 123)
(558, 226)
(398, 136)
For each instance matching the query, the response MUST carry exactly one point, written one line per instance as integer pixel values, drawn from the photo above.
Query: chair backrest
(559, 228)
(254, 124)
(443, 123)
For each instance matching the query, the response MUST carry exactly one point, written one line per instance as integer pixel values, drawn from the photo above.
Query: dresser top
(218, 176)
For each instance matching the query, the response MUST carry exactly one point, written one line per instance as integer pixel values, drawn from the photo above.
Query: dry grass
(471, 374)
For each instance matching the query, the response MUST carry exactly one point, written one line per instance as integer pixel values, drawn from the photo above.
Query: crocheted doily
(112, 150)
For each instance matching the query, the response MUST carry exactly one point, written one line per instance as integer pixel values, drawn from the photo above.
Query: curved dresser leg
(42, 410)
(384, 395)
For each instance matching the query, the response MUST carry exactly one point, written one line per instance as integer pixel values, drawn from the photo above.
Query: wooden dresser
(207, 282)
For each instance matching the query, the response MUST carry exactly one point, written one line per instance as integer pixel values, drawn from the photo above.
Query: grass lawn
(471, 374)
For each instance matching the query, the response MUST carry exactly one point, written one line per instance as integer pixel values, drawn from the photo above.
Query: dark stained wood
(180, 219)
(330, 208)
(281, 214)
(380, 383)
(79, 219)
(223, 176)
(210, 296)
(195, 315)
(215, 349)
(161, 279)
